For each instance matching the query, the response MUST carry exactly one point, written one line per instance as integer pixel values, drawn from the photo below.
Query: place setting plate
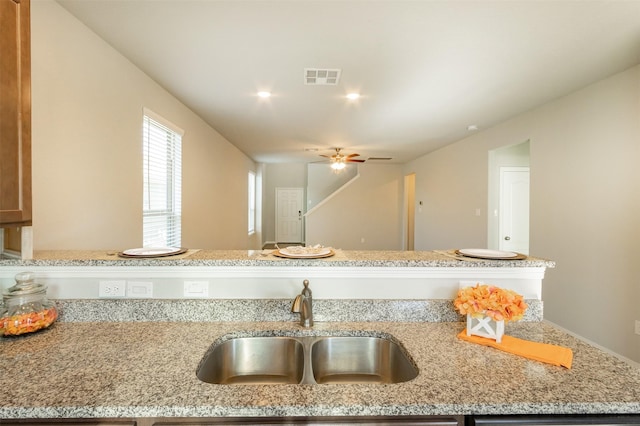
(151, 252)
(300, 252)
(490, 254)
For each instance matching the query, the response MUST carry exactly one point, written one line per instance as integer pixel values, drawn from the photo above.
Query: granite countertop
(264, 258)
(147, 369)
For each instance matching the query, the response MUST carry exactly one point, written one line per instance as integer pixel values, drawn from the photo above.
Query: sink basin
(306, 360)
(254, 360)
(360, 360)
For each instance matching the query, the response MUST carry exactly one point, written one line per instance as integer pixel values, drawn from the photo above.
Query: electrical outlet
(140, 289)
(196, 289)
(112, 288)
(637, 326)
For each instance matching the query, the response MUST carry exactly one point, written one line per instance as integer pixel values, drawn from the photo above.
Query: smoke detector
(321, 76)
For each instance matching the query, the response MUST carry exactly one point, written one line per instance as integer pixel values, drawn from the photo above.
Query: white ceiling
(425, 69)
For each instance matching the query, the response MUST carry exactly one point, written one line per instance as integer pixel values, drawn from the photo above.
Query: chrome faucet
(303, 304)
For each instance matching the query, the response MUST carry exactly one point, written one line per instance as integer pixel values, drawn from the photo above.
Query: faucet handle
(306, 291)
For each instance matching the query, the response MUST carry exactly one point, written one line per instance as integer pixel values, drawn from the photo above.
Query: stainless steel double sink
(306, 360)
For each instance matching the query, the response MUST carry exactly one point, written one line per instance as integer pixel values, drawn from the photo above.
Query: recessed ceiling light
(264, 94)
(472, 127)
(353, 96)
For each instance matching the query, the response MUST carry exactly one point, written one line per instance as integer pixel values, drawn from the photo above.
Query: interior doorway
(289, 214)
(508, 203)
(514, 209)
(410, 211)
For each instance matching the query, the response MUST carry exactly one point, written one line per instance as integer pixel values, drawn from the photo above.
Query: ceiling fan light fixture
(338, 165)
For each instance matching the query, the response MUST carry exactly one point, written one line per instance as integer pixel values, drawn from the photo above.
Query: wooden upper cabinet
(15, 113)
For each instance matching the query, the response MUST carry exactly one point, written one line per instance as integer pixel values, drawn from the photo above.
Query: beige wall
(369, 208)
(87, 179)
(585, 204)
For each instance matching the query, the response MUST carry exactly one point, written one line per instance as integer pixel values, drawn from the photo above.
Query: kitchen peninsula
(250, 274)
(135, 359)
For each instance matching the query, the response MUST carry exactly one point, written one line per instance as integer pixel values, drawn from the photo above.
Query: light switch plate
(140, 289)
(637, 326)
(196, 289)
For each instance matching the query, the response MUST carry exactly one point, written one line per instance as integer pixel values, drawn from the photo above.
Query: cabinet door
(556, 420)
(15, 112)
(312, 421)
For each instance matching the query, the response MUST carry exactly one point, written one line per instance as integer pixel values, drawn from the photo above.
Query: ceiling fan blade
(351, 160)
(353, 155)
(327, 156)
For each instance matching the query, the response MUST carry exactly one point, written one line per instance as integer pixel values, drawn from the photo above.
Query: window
(162, 193)
(252, 203)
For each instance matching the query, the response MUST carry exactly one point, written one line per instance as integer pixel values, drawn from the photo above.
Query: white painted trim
(160, 119)
(26, 250)
(535, 273)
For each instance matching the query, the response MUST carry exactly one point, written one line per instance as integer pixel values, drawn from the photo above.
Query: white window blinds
(252, 203)
(162, 193)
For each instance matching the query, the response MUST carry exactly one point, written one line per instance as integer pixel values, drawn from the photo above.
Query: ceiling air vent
(321, 77)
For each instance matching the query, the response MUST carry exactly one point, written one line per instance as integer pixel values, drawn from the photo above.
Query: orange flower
(495, 302)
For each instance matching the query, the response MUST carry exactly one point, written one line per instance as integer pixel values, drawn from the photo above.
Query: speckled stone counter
(147, 369)
(439, 258)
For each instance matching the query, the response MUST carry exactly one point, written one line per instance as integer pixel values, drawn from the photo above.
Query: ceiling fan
(339, 161)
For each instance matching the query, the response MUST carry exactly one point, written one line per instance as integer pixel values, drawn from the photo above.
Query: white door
(289, 202)
(514, 209)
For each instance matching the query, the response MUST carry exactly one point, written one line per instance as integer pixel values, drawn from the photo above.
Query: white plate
(305, 251)
(488, 254)
(151, 251)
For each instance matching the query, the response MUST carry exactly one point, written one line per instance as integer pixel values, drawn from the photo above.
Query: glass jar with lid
(25, 307)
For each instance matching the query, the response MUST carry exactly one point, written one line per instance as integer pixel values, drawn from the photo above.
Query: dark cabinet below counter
(233, 421)
(515, 420)
(551, 420)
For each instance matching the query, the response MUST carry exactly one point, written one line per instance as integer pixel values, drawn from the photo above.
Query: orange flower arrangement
(495, 302)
